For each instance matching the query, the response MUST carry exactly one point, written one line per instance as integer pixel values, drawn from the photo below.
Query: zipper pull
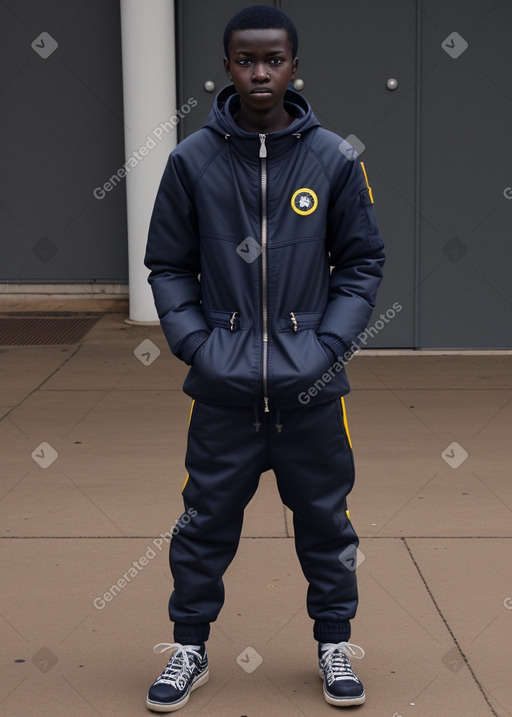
(294, 321)
(232, 320)
(266, 409)
(263, 146)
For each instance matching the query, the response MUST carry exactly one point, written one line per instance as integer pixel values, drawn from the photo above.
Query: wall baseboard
(108, 298)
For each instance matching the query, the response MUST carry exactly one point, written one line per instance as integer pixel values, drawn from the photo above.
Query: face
(260, 66)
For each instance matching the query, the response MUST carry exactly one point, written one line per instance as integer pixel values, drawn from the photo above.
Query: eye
(276, 61)
(243, 62)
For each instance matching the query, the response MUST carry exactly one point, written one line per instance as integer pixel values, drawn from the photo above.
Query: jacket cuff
(334, 346)
(190, 345)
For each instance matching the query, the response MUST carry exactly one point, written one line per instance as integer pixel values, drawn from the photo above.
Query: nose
(260, 72)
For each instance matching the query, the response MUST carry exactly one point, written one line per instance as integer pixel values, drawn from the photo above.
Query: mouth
(261, 91)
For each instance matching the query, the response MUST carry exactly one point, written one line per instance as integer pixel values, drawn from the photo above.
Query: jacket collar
(221, 120)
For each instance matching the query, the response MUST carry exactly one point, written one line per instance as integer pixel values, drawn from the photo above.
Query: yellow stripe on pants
(189, 419)
(345, 423)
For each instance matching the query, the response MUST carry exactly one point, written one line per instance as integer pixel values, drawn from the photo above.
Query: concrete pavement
(92, 447)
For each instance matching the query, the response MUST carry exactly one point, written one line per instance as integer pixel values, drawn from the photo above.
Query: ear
(295, 65)
(227, 69)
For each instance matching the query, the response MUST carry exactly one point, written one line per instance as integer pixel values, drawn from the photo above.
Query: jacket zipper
(264, 266)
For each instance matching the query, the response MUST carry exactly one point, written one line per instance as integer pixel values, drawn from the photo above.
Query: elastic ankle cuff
(191, 633)
(331, 631)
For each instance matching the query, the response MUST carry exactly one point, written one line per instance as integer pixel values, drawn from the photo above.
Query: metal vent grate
(44, 330)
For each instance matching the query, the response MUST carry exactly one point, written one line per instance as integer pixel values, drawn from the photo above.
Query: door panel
(346, 55)
(200, 25)
(465, 297)
(62, 137)
(347, 90)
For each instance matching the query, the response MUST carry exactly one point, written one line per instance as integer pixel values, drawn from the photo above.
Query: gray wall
(438, 149)
(61, 136)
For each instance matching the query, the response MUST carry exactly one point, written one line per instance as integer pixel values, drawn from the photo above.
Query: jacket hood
(227, 102)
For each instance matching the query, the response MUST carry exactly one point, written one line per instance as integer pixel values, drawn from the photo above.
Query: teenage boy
(265, 259)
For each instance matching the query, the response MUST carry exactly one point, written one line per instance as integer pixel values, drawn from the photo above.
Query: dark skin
(261, 66)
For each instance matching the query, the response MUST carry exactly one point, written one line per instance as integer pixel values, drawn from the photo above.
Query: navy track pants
(228, 449)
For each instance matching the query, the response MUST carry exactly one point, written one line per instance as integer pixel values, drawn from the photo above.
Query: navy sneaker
(186, 670)
(341, 686)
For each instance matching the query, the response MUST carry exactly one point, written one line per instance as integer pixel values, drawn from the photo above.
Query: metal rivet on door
(298, 85)
(392, 84)
(209, 85)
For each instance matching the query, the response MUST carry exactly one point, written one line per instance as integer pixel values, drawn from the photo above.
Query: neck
(263, 122)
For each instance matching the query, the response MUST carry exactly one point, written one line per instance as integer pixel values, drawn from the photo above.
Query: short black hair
(261, 17)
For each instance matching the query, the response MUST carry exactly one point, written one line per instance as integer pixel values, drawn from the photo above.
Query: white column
(149, 86)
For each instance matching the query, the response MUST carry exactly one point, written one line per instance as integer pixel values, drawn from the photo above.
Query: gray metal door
(348, 91)
(434, 144)
(465, 296)
(200, 28)
(347, 53)
(62, 138)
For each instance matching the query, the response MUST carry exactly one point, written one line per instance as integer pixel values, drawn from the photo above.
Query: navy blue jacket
(243, 236)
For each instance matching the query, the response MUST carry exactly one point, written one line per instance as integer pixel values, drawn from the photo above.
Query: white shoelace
(178, 669)
(336, 663)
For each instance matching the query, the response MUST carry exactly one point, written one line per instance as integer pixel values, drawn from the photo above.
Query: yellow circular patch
(304, 201)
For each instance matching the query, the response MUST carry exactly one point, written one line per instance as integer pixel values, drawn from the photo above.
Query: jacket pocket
(225, 366)
(298, 361)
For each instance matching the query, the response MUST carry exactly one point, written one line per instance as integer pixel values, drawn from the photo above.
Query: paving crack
(37, 388)
(450, 631)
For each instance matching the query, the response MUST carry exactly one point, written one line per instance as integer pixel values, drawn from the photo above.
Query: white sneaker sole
(156, 707)
(342, 701)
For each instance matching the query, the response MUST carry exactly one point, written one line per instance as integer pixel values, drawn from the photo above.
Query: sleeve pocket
(369, 211)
